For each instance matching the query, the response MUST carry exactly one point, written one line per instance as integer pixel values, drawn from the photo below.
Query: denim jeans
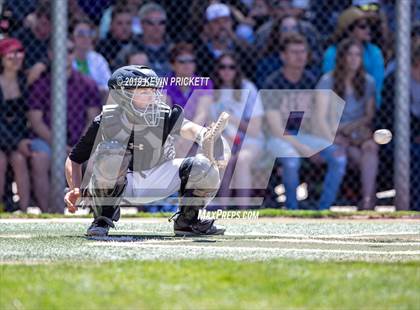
(291, 160)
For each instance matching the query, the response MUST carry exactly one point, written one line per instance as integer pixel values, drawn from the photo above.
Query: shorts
(41, 146)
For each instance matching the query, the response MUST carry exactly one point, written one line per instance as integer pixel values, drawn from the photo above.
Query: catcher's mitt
(214, 131)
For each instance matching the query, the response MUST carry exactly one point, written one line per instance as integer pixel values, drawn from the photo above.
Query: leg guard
(200, 181)
(108, 181)
(199, 184)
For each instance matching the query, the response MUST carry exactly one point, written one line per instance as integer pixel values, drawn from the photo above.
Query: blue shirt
(372, 60)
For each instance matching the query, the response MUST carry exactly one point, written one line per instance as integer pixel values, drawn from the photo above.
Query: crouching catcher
(130, 157)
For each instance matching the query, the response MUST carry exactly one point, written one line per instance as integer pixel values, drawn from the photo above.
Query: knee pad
(199, 175)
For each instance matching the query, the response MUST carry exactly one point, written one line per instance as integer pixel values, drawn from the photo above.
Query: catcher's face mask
(146, 103)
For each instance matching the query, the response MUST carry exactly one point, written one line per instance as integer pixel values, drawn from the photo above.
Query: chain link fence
(347, 46)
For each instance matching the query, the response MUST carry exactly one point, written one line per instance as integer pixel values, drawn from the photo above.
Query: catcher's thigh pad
(110, 164)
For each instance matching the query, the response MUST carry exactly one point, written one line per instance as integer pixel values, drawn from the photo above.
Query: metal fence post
(59, 104)
(402, 107)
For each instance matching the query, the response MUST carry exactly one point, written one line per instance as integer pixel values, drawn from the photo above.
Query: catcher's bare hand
(71, 198)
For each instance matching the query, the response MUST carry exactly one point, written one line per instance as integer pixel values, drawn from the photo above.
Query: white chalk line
(117, 238)
(252, 249)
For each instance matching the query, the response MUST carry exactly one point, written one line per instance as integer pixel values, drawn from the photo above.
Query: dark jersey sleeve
(83, 148)
(173, 122)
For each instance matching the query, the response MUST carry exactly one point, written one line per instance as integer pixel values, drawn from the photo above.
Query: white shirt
(248, 107)
(98, 69)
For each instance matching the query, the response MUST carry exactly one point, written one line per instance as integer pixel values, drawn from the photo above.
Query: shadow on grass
(145, 237)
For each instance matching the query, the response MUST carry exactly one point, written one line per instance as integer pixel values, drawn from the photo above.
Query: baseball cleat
(98, 228)
(199, 228)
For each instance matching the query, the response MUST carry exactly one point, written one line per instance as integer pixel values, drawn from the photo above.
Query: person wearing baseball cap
(10, 45)
(219, 37)
(14, 142)
(353, 23)
(217, 10)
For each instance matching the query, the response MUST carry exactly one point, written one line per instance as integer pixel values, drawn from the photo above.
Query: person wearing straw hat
(353, 23)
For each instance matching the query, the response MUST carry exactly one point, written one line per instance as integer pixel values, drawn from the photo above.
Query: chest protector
(145, 143)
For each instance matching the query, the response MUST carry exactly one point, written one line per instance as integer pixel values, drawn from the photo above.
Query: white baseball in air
(382, 136)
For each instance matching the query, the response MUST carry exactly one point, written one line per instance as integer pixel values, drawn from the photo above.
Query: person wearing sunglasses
(14, 142)
(353, 23)
(86, 60)
(195, 104)
(154, 40)
(379, 28)
(238, 96)
(83, 104)
(219, 36)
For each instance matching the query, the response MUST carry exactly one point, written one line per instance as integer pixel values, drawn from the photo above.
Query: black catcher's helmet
(122, 85)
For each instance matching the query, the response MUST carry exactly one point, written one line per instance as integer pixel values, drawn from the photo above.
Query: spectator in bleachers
(195, 102)
(238, 96)
(7, 22)
(86, 60)
(325, 14)
(137, 57)
(95, 9)
(120, 35)
(19, 9)
(133, 6)
(386, 120)
(75, 11)
(83, 104)
(294, 53)
(382, 36)
(415, 125)
(270, 60)
(350, 81)
(259, 12)
(353, 23)
(35, 40)
(218, 37)
(290, 147)
(257, 15)
(295, 11)
(377, 19)
(14, 142)
(153, 41)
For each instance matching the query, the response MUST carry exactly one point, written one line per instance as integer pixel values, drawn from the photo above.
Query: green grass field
(206, 284)
(270, 263)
